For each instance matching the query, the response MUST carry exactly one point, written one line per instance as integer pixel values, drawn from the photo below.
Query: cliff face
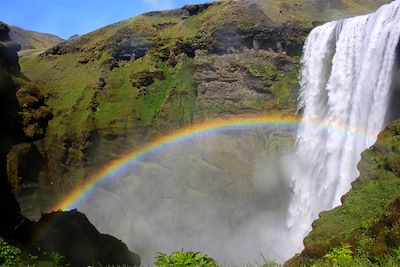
(368, 218)
(115, 88)
(11, 131)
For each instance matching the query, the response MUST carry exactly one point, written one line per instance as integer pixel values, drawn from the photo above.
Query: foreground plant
(340, 256)
(181, 259)
(12, 256)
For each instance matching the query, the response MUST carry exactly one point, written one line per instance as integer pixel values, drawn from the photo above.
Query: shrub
(340, 256)
(181, 259)
(9, 255)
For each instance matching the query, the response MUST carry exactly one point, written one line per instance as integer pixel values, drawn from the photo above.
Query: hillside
(115, 88)
(33, 40)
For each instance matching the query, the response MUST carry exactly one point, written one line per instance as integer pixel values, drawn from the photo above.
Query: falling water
(345, 86)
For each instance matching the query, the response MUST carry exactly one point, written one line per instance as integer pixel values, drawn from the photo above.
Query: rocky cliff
(24, 118)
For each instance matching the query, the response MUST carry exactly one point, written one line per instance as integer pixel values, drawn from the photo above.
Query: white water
(345, 84)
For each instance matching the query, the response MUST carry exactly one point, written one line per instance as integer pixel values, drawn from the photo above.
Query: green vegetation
(12, 256)
(340, 256)
(182, 259)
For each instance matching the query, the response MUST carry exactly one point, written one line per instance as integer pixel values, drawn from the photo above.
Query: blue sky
(68, 17)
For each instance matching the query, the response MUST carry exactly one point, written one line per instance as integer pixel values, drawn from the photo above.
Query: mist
(225, 194)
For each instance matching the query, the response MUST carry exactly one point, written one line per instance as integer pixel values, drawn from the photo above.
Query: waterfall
(345, 89)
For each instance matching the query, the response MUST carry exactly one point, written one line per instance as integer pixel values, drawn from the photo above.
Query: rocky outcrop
(191, 10)
(128, 46)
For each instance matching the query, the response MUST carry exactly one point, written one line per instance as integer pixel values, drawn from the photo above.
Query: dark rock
(24, 163)
(63, 48)
(128, 45)
(73, 236)
(4, 30)
(191, 10)
(84, 60)
(101, 83)
(10, 131)
(187, 48)
(8, 51)
(146, 77)
(228, 38)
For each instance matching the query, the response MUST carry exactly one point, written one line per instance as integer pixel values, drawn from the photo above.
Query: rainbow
(115, 167)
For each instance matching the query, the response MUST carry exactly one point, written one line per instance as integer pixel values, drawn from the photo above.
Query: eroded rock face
(226, 84)
(235, 83)
(288, 38)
